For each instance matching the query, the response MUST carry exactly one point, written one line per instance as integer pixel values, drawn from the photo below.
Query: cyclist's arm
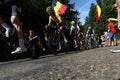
(71, 29)
(50, 22)
(59, 18)
(83, 35)
(93, 31)
(60, 22)
(78, 29)
(87, 33)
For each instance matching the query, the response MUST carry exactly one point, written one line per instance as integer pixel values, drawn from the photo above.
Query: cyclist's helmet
(49, 8)
(72, 22)
(89, 27)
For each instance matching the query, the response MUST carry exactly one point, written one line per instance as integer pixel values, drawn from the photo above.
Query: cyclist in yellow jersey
(56, 18)
(53, 16)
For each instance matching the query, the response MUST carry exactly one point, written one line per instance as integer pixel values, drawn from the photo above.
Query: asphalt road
(94, 64)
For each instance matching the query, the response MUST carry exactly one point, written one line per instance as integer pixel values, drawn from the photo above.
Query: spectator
(106, 36)
(112, 33)
(99, 41)
(34, 40)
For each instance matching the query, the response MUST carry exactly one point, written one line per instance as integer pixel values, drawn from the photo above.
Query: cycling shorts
(90, 36)
(8, 10)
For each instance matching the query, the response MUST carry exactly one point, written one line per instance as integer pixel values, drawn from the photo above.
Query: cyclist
(81, 39)
(90, 32)
(74, 31)
(14, 7)
(55, 19)
(90, 36)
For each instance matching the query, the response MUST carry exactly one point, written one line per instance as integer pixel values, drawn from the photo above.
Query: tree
(90, 19)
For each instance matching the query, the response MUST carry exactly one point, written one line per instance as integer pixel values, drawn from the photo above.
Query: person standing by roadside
(117, 7)
(112, 33)
(106, 36)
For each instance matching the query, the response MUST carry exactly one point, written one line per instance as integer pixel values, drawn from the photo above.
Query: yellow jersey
(55, 18)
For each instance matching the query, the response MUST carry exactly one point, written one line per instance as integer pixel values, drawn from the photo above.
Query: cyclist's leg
(16, 23)
(89, 42)
(59, 42)
(62, 33)
(93, 42)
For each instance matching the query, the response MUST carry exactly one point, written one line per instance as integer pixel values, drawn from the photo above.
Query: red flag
(60, 8)
(98, 10)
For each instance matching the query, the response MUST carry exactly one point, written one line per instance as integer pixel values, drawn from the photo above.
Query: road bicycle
(91, 42)
(56, 42)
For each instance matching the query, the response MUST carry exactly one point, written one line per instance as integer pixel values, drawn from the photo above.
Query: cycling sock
(21, 43)
(65, 39)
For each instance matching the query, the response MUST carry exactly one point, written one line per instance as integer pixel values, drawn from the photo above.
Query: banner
(60, 8)
(98, 10)
(112, 19)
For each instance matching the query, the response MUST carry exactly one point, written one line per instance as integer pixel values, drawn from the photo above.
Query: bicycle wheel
(52, 43)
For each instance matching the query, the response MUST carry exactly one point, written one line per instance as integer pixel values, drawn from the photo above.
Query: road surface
(94, 64)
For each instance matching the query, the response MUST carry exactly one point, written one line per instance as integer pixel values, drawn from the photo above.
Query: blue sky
(83, 6)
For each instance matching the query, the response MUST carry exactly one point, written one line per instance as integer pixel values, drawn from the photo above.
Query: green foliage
(34, 11)
(90, 20)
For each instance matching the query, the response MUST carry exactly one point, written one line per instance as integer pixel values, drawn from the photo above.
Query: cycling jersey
(74, 29)
(90, 33)
(55, 18)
